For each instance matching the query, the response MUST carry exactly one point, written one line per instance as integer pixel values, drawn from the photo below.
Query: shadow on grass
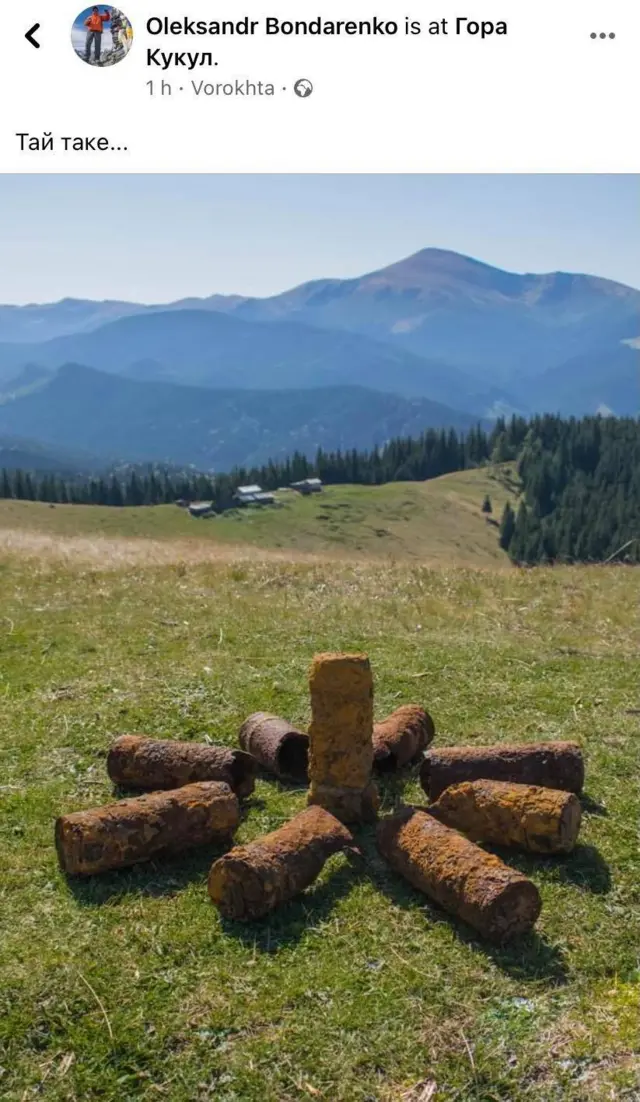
(529, 957)
(281, 784)
(253, 803)
(392, 786)
(585, 867)
(592, 807)
(289, 923)
(163, 876)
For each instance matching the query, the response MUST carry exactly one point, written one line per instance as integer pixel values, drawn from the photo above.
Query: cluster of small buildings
(254, 495)
(308, 486)
(200, 508)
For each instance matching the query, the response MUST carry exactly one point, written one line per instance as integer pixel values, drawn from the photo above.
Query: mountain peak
(442, 258)
(434, 270)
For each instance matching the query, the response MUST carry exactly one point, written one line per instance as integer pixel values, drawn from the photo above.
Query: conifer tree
(507, 527)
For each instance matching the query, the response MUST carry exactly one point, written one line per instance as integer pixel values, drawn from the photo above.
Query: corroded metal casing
(137, 762)
(340, 736)
(138, 829)
(548, 764)
(542, 820)
(278, 747)
(401, 737)
(251, 880)
(499, 902)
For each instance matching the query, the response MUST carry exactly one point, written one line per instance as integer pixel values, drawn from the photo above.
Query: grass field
(129, 986)
(405, 520)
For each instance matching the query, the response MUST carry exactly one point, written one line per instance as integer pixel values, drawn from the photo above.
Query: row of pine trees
(433, 453)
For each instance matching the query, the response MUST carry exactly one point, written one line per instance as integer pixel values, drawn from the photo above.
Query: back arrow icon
(30, 33)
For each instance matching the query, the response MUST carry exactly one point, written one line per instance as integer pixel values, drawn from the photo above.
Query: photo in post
(102, 35)
(320, 552)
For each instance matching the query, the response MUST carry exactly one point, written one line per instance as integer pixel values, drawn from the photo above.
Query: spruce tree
(519, 546)
(115, 496)
(18, 485)
(507, 527)
(29, 487)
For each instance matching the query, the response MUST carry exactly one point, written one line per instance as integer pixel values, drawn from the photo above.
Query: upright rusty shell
(401, 737)
(340, 736)
(542, 820)
(278, 747)
(137, 762)
(138, 829)
(548, 764)
(477, 887)
(251, 880)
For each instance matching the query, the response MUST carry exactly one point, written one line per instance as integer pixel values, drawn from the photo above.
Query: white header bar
(491, 87)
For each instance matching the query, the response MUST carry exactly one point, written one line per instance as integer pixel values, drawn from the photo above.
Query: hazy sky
(158, 238)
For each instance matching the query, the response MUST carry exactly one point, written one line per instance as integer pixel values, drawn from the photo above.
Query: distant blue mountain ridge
(436, 326)
(116, 419)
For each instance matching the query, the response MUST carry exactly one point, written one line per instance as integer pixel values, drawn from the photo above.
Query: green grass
(404, 520)
(129, 986)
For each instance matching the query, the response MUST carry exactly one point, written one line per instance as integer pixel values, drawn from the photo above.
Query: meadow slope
(130, 987)
(438, 521)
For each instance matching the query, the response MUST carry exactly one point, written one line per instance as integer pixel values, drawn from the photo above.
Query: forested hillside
(580, 492)
(82, 410)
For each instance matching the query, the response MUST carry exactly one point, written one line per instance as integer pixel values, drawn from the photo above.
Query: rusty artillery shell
(549, 764)
(138, 829)
(251, 880)
(543, 820)
(279, 747)
(398, 739)
(478, 887)
(340, 736)
(137, 762)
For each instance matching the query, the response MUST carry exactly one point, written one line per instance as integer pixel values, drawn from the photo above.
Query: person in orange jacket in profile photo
(95, 26)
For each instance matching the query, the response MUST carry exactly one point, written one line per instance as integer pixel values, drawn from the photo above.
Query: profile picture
(102, 35)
